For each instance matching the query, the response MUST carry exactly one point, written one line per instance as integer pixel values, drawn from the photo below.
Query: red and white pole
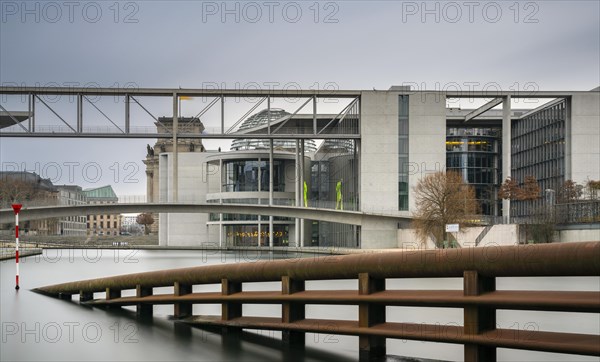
(16, 209)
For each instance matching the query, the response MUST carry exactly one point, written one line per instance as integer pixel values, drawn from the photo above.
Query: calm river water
(39, 328)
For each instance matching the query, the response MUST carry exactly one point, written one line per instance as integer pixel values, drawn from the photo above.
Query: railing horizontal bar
(517, 300)
(559, 259)
(502, 338)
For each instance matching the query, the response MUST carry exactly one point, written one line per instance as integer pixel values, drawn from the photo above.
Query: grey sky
(353, 44)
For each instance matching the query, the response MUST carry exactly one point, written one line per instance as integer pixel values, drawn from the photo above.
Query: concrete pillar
(302, 190)
(175, 156)
(222, 174)
(297, 193)
(506, 153)
(271, 185)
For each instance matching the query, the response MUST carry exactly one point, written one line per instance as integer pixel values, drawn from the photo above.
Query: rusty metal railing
(479, 298)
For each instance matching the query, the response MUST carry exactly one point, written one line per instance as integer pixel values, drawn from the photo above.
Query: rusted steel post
(182, 310)
(85, 296)
(112, 293)
(291, 312)
(64, 296)
(143, 309)
(370, 347)
(478, 319)
(230, 310)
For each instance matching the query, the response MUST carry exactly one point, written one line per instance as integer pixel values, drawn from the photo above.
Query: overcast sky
(351, 44)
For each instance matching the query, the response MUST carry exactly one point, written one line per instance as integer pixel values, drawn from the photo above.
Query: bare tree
(16, 190)
(593, 189)
(569, 191)
(145, 219)
(442, 198)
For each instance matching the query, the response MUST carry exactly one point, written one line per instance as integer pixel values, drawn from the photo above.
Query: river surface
(39, 328)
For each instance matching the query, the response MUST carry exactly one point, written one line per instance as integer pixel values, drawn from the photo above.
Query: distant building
(129, 225)
(71, 225)
(29, 189)
(102, 224)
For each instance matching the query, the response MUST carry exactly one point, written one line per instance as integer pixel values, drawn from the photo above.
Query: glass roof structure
(262, 119)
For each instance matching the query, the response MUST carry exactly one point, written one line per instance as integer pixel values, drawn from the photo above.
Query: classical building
(165, 124)
(100, 225)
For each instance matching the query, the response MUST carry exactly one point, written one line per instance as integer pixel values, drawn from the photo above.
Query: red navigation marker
(16, 209)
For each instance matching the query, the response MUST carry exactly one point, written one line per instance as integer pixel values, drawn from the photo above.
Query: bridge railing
(479, 299)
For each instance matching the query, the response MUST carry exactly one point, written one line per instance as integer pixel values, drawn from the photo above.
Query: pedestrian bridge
(318, 214)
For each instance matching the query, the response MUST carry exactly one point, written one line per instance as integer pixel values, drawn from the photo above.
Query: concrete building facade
(399, 136)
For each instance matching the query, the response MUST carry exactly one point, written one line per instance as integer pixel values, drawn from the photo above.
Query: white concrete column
(271, 168)
(297, 189)
(221, 174)
(568, 141)
(506, 153)
(302, 190)
(175, 156)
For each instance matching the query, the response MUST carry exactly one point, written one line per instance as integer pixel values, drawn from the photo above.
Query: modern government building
(388, 141)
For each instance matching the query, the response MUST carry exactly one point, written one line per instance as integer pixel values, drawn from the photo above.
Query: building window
(252, 175)
(403, 153)
(538, 148)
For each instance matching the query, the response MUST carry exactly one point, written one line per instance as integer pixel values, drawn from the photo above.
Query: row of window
(478, 175)
(544, 118)
(101, 217)
(252, 175)
(470, 145)
(538, 144)
(466, 160)
(101, 225)
(403, 128)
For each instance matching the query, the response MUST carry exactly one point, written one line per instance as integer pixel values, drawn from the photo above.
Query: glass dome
(260, 119)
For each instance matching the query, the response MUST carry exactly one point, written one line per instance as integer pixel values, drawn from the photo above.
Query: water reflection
(39, 328)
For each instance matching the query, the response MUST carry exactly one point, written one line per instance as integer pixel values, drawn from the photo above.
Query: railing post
(85, 296)
(182, 310)
(478, 319)
(112, 294)
(230, 310)
(142, 309)
(370, 347)
(291, 311)
(64, 296)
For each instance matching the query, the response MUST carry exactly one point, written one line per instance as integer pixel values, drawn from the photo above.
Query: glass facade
(252, 175)
(538, 149)
(403, 153)
(475, 154)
